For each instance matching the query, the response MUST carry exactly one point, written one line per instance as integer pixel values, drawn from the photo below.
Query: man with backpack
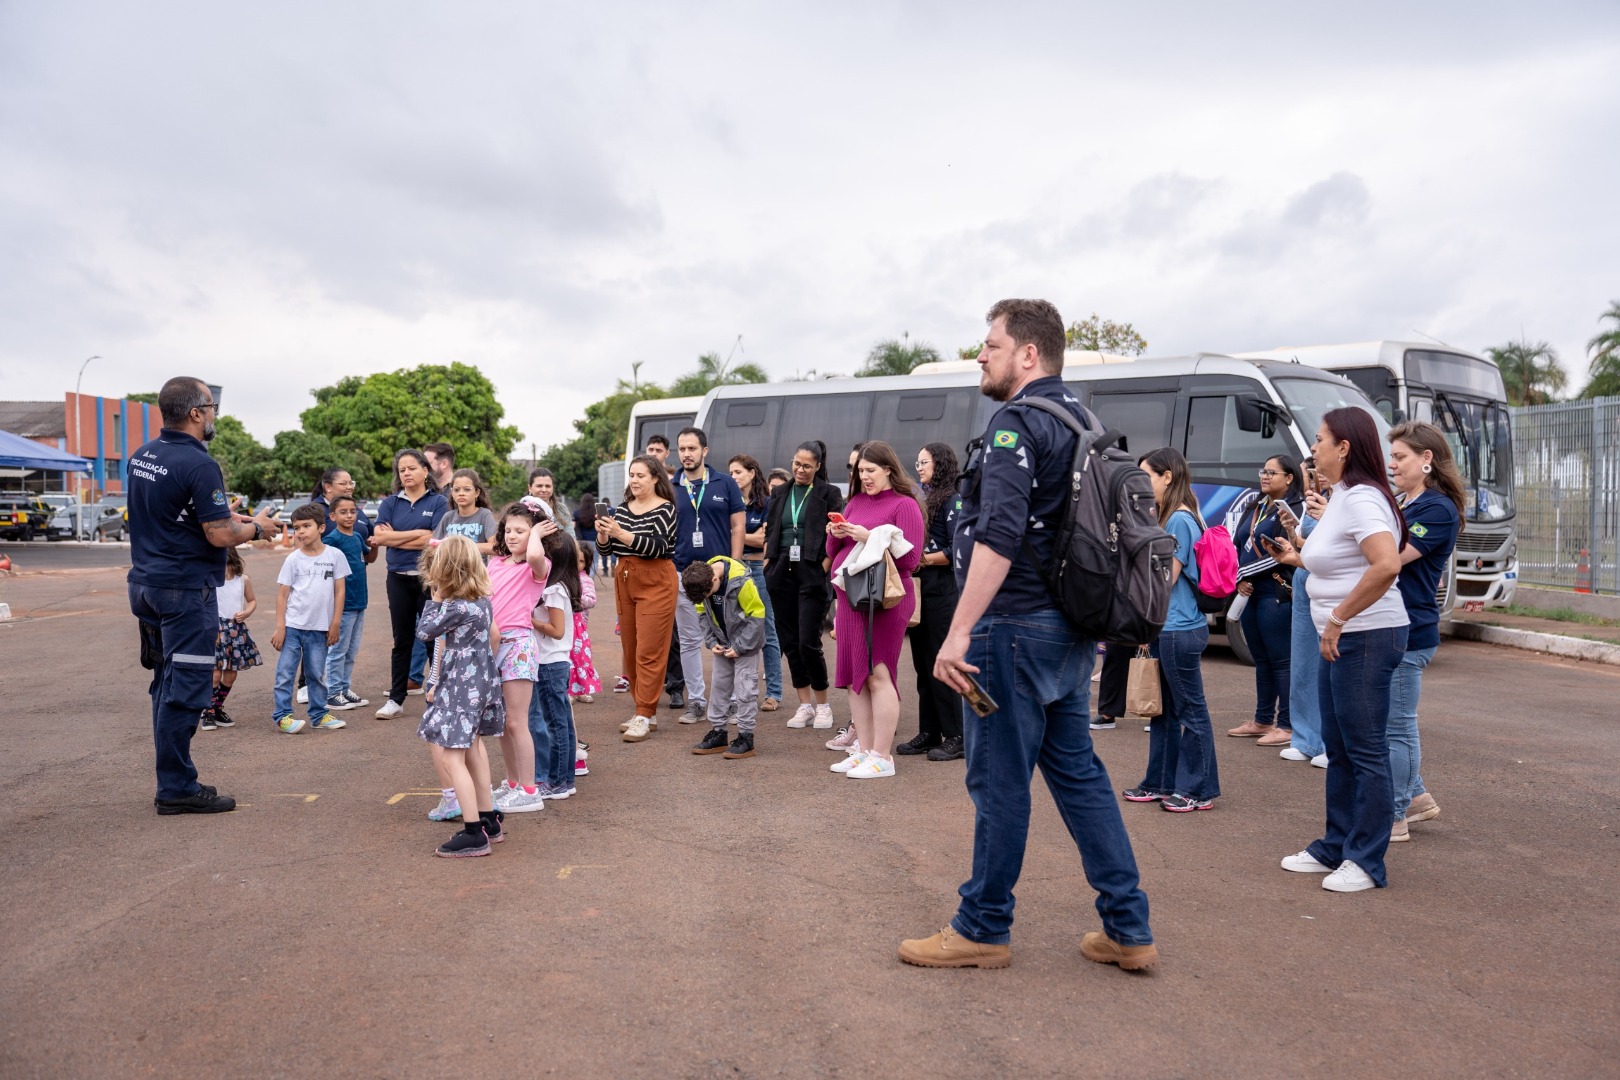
(1012, 650)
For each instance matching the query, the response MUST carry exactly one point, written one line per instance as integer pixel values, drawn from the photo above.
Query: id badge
(697, 539)
(793, 553)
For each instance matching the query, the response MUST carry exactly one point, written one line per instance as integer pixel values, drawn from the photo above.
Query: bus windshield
(1481, 438)
(1311, 399)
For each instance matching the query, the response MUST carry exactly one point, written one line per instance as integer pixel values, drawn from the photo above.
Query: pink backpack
(1217, 564)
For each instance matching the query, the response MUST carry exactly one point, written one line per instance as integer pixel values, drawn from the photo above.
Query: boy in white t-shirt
(309, 617)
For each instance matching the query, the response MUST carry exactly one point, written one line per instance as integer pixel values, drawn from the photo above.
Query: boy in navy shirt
(342, 533)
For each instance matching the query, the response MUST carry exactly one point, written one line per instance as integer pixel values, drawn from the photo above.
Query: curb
(1599, 652)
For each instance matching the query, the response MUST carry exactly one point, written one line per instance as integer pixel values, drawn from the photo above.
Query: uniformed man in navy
(1010, 640)
(180, 524)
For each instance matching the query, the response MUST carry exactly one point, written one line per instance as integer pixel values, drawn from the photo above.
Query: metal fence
(1567, 476)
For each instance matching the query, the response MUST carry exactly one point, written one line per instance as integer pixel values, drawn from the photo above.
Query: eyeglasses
(208, 405)
(1264, 473)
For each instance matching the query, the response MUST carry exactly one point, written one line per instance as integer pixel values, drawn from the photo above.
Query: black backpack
(1111, 569)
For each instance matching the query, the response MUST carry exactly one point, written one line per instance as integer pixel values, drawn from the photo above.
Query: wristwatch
(258, 531)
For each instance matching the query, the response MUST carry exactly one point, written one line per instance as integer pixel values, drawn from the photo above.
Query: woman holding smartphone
(642, 534)
(1354, 556)
(1267, 617)
(796, 574)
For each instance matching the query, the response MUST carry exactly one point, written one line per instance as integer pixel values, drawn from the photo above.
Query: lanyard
(686, 482)
(1259, 520)
(797, 508)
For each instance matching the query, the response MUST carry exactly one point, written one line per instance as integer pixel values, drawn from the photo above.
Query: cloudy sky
(273, 196)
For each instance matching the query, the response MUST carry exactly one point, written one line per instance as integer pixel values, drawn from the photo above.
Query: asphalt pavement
(692, 917)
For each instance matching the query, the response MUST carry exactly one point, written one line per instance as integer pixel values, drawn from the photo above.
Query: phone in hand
(835, 517)
(604, 510)
(979, 701)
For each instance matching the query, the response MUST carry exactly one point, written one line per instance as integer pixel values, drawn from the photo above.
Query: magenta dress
(889, 628)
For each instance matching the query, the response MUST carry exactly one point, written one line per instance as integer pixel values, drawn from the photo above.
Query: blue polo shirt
(354, 549)
(173, 487)
(705, 507)
(1020, 490)
(1431, 527)
(402, 515)
(362, 524)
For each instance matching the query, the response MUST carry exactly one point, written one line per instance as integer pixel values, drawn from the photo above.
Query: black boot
(742, 746)
(713, 742)
(920, 743)
(491, 821)
(949, 750)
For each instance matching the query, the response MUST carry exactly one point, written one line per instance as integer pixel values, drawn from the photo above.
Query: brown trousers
(644, 593)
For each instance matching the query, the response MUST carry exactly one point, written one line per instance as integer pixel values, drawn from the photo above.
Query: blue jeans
(1267, 627)
(309, 648)
(551, 723)
(1305, 666)
(773, 645)
(182, 678)
(1354, 697)
(418, 660)
(1405, 751)
(1181, 745)
(1039, 670)
(340, 657)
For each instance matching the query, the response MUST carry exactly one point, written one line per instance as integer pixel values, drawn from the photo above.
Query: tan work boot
(948, 949)
(1423, 808)
(1249, 729)
(1099, 948)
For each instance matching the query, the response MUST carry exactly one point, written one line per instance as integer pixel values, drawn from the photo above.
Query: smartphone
(604, 510)
(835, 517)
(979, 701)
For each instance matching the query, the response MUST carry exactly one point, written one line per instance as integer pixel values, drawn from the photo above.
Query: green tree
(1605, 351)
(377, 415)
(602, 431)
(295, 463)
(1530, 372)
(1099, 335)
(242, 458)
(970, 352)
(897, 356)
(149, 397)
(712, 372)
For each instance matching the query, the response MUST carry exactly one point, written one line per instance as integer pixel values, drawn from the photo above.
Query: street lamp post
(76, 407)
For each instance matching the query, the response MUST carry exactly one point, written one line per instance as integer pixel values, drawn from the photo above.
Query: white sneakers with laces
(802, 716)
(1305, 863)
(1348, 878)
(390, 709)
(856, 757)
(823, 718)
(871, 768)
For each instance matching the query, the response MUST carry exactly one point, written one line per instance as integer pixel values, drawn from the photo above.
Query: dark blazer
(821, 500)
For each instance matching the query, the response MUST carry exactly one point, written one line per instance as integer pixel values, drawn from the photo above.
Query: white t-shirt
(1333, 555)
(313, 581)
(231, 596)
(555, 650)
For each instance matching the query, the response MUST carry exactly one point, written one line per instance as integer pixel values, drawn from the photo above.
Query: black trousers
(674, 674)
(1116, 672)
(939, 708)
(406, 598)
(799, 597)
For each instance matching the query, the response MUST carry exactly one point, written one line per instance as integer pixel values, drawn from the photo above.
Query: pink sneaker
(581, 768)
(843, 740)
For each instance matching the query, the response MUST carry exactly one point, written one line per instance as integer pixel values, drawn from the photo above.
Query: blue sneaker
(290, 724)
(549, 792)
(448, 809)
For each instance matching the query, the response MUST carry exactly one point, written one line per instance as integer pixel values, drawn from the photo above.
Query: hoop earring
(1426, 468)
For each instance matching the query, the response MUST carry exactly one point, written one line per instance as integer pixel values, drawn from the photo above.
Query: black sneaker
(206, 722)
(1181, 804)
(223, 718)
(742, 746)
(948, 750)
(1103, 723)
(920, 743)
(1141, 794)
(464, 845)
(677, 700)
(713, 743)
(206, 801)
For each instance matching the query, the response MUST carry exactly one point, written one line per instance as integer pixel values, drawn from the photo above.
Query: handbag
(1142, 695)
(894, 586)
(916, 608)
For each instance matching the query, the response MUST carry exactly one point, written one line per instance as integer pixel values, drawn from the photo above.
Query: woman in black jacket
(939, 708)
(796, 577)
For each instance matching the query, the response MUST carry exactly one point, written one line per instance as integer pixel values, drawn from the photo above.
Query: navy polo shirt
(1020, 490)
(173, 487)
(362, 524)
(753, 521)
(400, 514)
(706, 507)
(1431, 527)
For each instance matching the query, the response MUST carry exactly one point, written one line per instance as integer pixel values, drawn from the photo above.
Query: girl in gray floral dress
(464, 699)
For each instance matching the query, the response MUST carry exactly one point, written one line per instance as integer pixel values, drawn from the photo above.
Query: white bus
(1227, 415)
(1463, 394)
(654, 416)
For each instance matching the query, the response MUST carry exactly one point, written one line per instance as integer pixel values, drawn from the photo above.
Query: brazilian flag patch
(1006, 439)
(1418, 530)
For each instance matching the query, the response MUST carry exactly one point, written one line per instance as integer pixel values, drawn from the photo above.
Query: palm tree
(1531, 373)
(1605, 350)
(712, 372)
(892, 357)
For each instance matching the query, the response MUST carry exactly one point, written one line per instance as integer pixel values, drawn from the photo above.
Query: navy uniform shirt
(942, 528)
(705, 507)
(400, 514)
(1021, 491)
(1431, 527)
(173, 487)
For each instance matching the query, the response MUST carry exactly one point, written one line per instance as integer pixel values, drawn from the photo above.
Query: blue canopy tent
(17, 452)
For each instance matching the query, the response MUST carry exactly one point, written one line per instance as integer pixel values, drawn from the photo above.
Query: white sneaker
(303, 695)
(518, 801)
(802, 716)
(652, 724)
(638, 730)
(1288, 753)
(1303, 863)
(856, 756)
(1320, 760)
(824, 718)
(390, 709)
(871, 768)
(1348, 878)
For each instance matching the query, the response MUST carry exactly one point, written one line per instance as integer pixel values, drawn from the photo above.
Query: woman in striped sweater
(642, 534)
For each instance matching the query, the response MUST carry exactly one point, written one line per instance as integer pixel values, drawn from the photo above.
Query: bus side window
(839, 420)
(1218, 449)
(910, 419)
(744, 428)
(1144, 418)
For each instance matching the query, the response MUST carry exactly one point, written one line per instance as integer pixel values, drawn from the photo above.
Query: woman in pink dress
(886, 497)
